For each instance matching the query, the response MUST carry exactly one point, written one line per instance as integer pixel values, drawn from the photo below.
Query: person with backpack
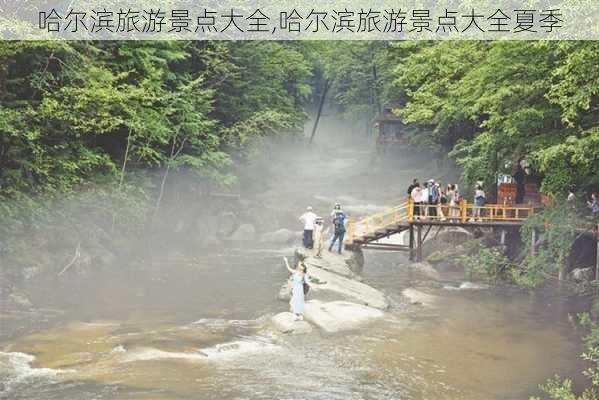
(433, 197)
(339, 227)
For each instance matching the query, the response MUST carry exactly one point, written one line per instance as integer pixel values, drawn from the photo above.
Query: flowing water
(193, 323)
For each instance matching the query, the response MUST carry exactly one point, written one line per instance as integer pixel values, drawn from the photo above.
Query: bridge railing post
(410, 210)
(463, 211)
(350, 231)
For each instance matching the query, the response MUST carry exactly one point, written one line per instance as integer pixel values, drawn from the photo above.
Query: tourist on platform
(337, 209)
(412, 186)
(416, 195)
(339, 230)
(299, 279)
(440, 201)
(433, 198)
(443, 200)
(479, 201)
(308, 219)
(424, 199)
(594, 204)
(520, 179)
(454, 212)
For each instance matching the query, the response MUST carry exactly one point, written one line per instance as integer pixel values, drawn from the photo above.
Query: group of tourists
(434, 200)
(314, 238)
(315, 232)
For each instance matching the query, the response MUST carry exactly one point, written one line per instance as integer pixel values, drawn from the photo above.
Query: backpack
(338, 222)
(434, 194)
(306, 287)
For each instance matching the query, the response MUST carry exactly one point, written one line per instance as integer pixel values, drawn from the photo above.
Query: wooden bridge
(420, 219)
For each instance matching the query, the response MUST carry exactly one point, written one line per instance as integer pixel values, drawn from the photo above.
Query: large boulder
(245, 232)
(416, 297)
(285, 323)
(280, 236)
(338, 316)
(424, 269)
(333, 262)
(357, 291)
(582, 274)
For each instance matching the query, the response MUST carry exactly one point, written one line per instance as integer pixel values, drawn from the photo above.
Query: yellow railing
(468, 212)
(464, 212)
(372, 223)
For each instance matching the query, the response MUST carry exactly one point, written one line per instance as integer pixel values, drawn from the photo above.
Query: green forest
(73, 114)
(106, 123)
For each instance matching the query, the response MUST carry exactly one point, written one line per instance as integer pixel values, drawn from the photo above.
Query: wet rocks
(285, 323)
(416, 297)
(338, 316)
(339, 301)
(424, 269)
(329, 261)
(582, 274)
(474, 286)
(348, 288)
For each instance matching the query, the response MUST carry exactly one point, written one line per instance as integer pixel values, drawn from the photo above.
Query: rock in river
(357, 291)
(285, 323)
(417, 297)
(337, 316)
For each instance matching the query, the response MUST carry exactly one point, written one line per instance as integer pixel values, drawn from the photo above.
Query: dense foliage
(561, 389)
(73, 113)
(489, 103)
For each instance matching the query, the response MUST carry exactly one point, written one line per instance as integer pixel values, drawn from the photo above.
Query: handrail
(463, 213)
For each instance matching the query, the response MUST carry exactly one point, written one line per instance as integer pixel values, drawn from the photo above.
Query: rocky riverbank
(338, 299)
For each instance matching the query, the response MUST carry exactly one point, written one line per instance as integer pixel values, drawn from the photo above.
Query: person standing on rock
(308, 219)
(339, 226)
(299, 278)
(318, 236)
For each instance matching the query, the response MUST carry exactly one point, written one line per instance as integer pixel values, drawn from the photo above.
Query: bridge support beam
(411, 242)
(419, 248)
(502, 240)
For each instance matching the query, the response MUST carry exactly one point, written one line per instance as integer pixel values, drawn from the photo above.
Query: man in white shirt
(424, 199)
(308, 219)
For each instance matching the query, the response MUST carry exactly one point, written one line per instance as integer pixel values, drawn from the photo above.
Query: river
(194, 323)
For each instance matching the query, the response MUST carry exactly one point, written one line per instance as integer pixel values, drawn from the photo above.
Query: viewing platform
(416, 218)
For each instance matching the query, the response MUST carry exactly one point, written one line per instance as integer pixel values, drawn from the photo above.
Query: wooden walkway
(419, 220)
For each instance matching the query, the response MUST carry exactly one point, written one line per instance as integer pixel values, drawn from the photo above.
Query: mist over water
(185, 315)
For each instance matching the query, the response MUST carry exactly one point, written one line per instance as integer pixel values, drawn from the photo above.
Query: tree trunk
(123, 168)
(320, 105)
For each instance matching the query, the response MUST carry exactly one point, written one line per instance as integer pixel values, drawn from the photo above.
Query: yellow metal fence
(462, 213)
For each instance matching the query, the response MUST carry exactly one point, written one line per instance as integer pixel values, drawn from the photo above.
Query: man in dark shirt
(520, 178)
(412, 186)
